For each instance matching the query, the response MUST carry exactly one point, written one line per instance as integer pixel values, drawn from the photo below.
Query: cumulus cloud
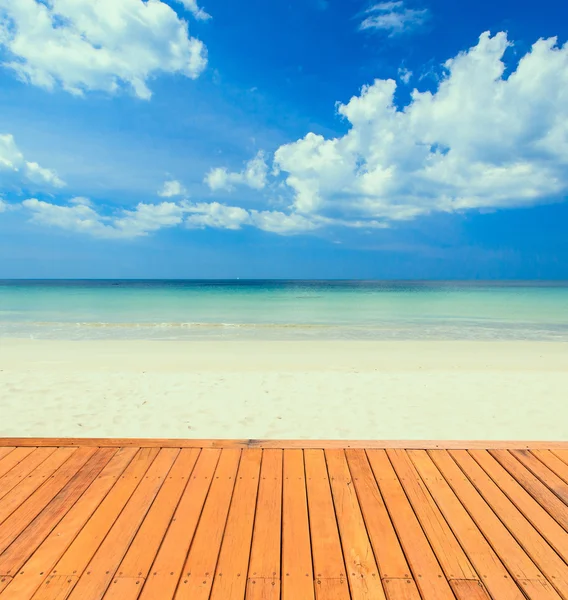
(81, 45)
(394, 17)
(172, 188)
(21, 171)
(195, 10)
(479, 141)
(81, 217)
(253, 175)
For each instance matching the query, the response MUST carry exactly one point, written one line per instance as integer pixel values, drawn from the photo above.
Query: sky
(400, 139)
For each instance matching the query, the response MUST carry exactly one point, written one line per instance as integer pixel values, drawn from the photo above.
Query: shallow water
(284, 310)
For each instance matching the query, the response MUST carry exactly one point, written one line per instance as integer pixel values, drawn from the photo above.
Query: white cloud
(195, 10)
(172, 188)
(12, 161)
(478, 141)
(81, 217)
(404, 75)
(219, 216)
(253, 175)
(82, 45)
(394, 17)
(3, 206)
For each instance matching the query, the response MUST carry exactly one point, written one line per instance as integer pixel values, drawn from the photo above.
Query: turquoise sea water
(284, 310)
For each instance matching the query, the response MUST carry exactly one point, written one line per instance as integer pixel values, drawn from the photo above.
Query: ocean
(276, 309)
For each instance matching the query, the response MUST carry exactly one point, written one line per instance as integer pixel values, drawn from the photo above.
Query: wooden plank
(39, 563)
(57, 587)
(467, 589)
(263, 589)
(400, 589)
(562, 454)
(142, 552)
(426, 571)
(553, 505)
(331, 589)
(447, 549)
(81, 550)
(519, 565)
(555, 464)
(167, 567)
(4, 582)
(534, 545)
(199, 568)
(297, 573)
(362, 572)
(550, 479)
(123, 588)
(265, 551)
(12, 458)
(4, 451)
(285, 444)
(23, 490)
(326, 546)
(525, 503)
(388, 552)
(231, 573)
(22, 469)
(33, 535)
(102, 567)
(15, 524)
(538, 589)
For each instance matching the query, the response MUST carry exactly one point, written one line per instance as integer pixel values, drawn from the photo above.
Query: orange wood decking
(226, 520)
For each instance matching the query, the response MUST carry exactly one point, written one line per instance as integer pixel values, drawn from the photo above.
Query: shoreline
(360, 390)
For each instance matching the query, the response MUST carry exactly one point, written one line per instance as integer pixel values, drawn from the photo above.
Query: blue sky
(314, 139)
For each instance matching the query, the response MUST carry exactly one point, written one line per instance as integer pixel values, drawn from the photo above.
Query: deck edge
(283, 444)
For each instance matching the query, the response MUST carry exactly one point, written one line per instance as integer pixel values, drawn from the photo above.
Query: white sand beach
(285, 390)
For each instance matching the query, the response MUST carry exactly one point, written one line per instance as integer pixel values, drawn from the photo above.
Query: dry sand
(285, 390)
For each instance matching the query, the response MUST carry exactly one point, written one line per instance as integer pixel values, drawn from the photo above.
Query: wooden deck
(251, 520)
